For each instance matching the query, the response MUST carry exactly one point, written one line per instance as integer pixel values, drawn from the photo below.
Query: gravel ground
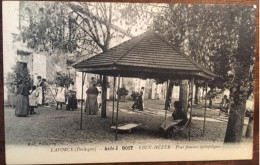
(54, 127)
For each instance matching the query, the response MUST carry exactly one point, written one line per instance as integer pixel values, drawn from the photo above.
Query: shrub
(122, 92)
(63, 79)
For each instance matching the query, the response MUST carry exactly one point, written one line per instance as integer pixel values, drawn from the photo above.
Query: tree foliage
(210, 35)
(81, 29)
(63, 79)
(222, 38)
(20, 74)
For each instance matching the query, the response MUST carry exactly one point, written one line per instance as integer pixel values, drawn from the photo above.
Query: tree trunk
(196, 94)
(183, 98)
(168, 95)
(104, 98)
(236, 118)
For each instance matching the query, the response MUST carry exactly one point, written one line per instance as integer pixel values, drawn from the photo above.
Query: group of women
(29, 97)
(66, 96)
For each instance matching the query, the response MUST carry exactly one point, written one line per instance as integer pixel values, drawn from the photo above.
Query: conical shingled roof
(150, 54)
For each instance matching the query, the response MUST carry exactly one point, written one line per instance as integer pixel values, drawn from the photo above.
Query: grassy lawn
(54, 127)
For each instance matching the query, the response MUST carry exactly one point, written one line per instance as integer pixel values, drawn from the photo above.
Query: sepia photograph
(99, 82)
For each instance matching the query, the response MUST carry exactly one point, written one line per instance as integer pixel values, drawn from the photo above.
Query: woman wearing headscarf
(91, 102)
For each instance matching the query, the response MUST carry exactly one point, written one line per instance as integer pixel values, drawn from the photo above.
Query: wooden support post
(204, 124)
(117, 106)
(191, 100)
(167, 97)
(81, 109)
(113, 110)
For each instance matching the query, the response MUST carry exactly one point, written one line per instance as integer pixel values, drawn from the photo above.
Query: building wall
(37, 66)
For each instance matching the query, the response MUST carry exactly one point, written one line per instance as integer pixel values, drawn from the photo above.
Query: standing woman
(72, 99)
(99, 98)
(44, 90)
(33, 100)
(91, 102)
(21, 109)
(60, 96)
(39, 89)
(142, 98)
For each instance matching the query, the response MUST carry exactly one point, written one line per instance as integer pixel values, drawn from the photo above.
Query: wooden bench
(125, 127)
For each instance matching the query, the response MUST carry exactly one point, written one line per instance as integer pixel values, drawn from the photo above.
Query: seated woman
(178, 118)
(224, 105)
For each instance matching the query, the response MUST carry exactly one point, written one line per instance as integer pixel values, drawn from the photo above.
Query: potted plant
(62, 78)
(122, 92)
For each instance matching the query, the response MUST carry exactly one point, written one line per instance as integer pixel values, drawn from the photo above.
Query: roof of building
(146, 56)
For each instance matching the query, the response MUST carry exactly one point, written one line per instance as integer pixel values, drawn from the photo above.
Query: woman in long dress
(39, 90)
(142, 97)
(99, 98)
(91, 102)
(139, 102)
(178, 117)
(72, 99)
(33, 100)
(60, 96)
(21, 109)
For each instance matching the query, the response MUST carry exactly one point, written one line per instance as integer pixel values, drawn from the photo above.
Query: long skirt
(169, 123)
(39, 98)
(60, 96)
(72, 102)
(91, 104)
(21, 108)
(138, 104)
(75, 102)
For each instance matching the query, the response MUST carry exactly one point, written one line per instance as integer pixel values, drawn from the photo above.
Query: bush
(100, 82)
(122, 92)
(19, 73)
(63, 79)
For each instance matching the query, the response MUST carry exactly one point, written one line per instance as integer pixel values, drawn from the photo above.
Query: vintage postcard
(92, 82)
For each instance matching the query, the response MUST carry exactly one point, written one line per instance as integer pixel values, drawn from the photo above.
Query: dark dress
(72, 100)
(179, 114)
(138, 104)
(44, 89)
(22, 103)
(179, 118)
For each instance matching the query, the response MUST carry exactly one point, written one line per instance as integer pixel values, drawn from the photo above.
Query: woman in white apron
(60, 96)
(39, 90)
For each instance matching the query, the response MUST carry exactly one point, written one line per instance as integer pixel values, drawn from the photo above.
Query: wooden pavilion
(148, 55)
